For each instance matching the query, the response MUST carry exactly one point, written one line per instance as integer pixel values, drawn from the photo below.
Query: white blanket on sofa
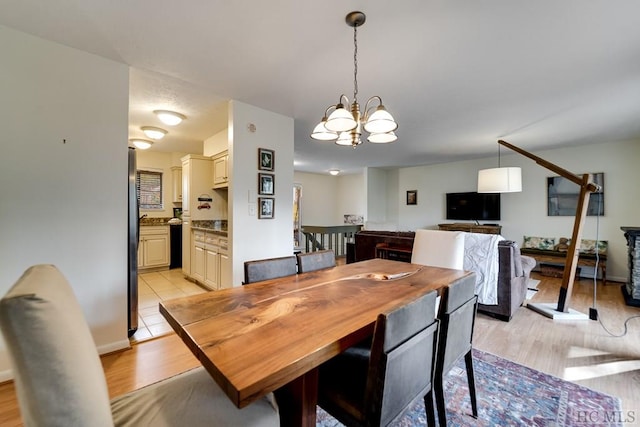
(481, 256)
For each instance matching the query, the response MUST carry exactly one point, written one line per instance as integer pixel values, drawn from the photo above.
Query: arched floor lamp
(561, 310)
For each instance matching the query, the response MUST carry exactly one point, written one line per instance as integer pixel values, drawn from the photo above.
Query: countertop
(217, 226)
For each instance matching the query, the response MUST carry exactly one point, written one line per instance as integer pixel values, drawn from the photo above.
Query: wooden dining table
(271, 336)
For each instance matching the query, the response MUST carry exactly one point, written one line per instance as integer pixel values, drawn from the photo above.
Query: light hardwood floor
(578, 351)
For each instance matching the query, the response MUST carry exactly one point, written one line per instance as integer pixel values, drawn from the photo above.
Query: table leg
(297, 401)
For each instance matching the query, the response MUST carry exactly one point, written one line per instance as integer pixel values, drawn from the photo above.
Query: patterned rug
(510, 394)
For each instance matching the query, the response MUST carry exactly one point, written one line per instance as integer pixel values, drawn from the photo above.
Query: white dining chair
(438, 248)
(59, 378)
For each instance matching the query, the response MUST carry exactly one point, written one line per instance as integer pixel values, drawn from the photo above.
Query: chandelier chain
(355, 64)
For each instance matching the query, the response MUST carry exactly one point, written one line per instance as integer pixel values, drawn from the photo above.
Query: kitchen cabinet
(176, 183)
(153, 247)
(221, 169)
(196, 181)
(210, 264)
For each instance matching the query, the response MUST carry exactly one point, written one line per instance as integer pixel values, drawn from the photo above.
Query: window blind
(149, 189)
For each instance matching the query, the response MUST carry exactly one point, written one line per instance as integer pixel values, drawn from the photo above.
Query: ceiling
(456, 75)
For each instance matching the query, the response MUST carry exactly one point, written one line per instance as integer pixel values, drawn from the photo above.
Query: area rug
(510, 394)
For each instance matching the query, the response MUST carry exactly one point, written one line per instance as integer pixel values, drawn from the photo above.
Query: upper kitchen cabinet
(176, 183)
(197, 174)
(221, 170)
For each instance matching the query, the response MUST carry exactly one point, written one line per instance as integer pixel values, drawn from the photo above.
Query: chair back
(58, 375)
(438, 248)
(457, 317)
(271, 268)
(318, 260)
(401, 363)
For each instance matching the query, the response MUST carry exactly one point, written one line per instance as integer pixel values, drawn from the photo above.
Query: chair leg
(468, 360)
(430, 409)
(439, 392)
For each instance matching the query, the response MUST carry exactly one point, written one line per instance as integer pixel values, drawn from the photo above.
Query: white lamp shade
(321, 133)
(380, 122)
(170, 118)
(382, 138)
(340, 120)
(500, 180)
(142, 144)
(344, 138)
(153, 132)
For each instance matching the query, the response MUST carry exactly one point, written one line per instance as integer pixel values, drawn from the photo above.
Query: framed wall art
(412, 197)
(266, 184)
(266, 206)
(562, 196)
(266, 159)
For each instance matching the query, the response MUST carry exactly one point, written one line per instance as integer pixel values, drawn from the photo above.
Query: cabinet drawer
(211, 239)
(146, 230)
(198, 236)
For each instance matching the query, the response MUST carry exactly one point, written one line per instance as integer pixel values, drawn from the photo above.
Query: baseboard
(6, 376)
(114, 346)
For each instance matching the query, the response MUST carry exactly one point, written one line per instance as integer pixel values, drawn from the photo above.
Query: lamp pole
(571, 262)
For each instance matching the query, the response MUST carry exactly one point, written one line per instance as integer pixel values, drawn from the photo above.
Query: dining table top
(256, 338)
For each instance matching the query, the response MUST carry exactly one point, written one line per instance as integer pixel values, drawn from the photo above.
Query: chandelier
(344, 126)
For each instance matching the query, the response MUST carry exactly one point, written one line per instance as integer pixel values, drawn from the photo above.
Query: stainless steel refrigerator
(132, 246)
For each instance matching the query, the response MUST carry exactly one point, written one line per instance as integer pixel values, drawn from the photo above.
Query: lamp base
(549, 310)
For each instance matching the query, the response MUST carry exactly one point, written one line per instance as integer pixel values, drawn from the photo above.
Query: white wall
(525, 213)
(250, 237)
(65, 203)
(326, 199)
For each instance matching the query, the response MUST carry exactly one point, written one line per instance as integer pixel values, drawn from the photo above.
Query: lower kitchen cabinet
(153, 248)
(210, 264)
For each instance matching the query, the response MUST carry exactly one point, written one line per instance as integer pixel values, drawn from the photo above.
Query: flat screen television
(473, 206)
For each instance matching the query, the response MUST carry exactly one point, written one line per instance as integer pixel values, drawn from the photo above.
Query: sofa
(513, 268)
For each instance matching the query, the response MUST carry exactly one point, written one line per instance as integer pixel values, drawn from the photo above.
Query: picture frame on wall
(412, 197)
(266, 206)
(266, 184)
(266, 159)
(563, 195)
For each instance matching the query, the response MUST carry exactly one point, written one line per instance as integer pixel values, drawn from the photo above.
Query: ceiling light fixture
(334, 172)
(170, 118)
(153, 132)
(142, 144)
(344, 126)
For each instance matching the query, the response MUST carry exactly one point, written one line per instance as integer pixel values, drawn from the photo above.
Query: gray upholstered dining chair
(60, 381)
(318, 260)
(457, 318)
(376, 387)
(269, 268)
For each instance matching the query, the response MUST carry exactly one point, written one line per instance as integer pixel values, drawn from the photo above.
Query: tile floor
(153, 288)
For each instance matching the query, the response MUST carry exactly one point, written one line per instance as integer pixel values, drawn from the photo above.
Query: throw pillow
(544, 243)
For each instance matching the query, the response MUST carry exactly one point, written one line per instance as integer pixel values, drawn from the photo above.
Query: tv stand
(470, 227)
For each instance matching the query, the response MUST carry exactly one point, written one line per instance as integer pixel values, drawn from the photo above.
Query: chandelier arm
(365, 111)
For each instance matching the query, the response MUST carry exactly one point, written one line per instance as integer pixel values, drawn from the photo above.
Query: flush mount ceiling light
(170, 118)
(334, 172)
(153, 132)
(142, 144)
(344, 126)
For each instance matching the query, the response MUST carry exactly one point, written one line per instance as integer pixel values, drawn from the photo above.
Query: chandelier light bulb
(382, 138)
(153, 132)
(170, 118)
(321, 133)
(380, 121)
(340, 120)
